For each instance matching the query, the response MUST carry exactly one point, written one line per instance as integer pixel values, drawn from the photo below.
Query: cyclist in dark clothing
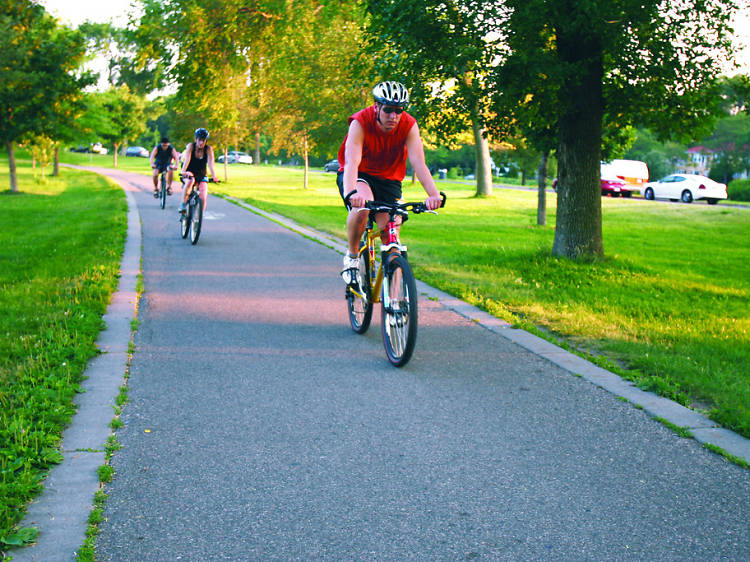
(198, 156)
(162, 157)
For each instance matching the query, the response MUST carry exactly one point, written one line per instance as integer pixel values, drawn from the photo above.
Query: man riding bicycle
(198, 155)
(373, 162)
(162, 157)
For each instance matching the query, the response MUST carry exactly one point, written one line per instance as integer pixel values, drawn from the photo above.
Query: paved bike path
(261, 427)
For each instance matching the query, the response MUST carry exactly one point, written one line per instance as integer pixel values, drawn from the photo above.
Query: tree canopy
(581, 63)
(40, 61)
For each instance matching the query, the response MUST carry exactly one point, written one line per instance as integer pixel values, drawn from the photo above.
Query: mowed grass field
(668, 307)
(61, 242)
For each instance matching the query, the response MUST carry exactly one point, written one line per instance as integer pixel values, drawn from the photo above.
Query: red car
(610, 186)
(615, 187)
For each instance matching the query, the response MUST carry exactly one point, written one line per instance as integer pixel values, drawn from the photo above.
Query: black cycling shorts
(387, 191)
(162, 166)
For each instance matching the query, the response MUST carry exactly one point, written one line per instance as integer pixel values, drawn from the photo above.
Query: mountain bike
(387, 279)
(163, 187)
(192, 219)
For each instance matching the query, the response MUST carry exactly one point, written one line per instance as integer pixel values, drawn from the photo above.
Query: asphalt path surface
(260, 427)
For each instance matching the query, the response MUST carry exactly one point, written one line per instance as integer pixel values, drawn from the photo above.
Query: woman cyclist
(198, 154)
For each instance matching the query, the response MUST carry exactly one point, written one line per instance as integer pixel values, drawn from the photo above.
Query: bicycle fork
(391, 248)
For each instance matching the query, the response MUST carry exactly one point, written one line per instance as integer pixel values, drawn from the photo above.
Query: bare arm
(415, 150)
(352, 157)
(152, 157)
(210, 159)
(188, 154)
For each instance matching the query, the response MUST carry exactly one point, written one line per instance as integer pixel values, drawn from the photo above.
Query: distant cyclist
(198, 155)
(162, 157)
(373, 161)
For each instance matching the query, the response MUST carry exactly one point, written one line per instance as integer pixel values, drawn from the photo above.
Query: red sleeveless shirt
(383, 154)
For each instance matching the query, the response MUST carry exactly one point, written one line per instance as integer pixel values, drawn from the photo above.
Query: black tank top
(163, 157)
(198, 165)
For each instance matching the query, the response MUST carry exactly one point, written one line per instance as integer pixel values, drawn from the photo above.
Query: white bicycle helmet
(391, 93)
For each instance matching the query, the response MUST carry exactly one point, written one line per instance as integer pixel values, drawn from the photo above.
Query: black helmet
(391, 93)
(201, 133)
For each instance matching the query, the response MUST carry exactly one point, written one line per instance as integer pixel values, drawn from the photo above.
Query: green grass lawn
(61, 243)
(668, 307)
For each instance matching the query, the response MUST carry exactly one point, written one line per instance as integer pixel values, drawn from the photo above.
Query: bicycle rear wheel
(399, 312)
(163, 191)
(359, 298)
(196, 220)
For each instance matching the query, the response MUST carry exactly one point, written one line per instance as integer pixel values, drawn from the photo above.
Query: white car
(686, 187)
(236, 157)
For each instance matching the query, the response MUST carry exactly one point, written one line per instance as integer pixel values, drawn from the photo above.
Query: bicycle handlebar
(415, 207)
(209, 180)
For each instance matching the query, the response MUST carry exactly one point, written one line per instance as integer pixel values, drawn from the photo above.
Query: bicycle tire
(360, 309)
(185, 219)
(399, 318)
(196, 220)
(163, 191)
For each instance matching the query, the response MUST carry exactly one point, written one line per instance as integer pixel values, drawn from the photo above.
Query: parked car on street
(137, 151)
(633, 172)
(685, 187)
(332, 166)
(236, 157)
(612, 185)
(609, 185)
(614, 181)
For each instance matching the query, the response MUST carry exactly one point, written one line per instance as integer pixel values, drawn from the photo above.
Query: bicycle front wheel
(399, 313)
(185, 221)
(163, 191)
(196, 221)
(359, 297)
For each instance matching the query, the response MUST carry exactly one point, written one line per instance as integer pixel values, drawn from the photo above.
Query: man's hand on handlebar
(433, 202)
(356, 200)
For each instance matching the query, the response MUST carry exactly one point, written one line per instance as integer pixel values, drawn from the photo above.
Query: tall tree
(629, 61)
(441, 50)
(312, 90)
(116, 116)
(40, 61)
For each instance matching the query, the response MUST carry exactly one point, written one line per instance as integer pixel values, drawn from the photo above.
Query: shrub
(455, 173)
(739, 190)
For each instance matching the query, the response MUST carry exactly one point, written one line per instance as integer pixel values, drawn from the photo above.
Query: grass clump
(61, 245)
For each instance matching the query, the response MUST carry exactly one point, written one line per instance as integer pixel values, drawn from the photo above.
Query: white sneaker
(350, 270)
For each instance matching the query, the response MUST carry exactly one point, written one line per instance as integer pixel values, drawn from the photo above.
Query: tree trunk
(483, 168)
(578, 232)
(541, 209)
(226, 163)
(12, 166)
(56, 169)
(115, 151)
(256, 160)
(523, 177)
(306, 156)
